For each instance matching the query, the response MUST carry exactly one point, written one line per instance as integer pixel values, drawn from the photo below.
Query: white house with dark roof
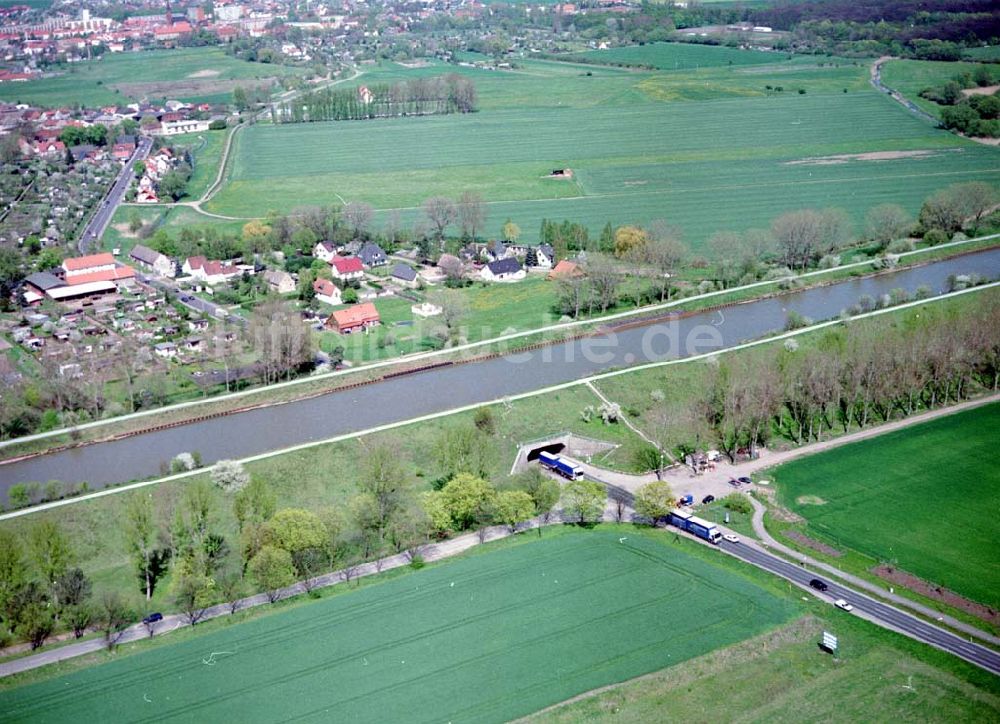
(545, 255)
(154, 261)
(371, 255)
(325, 250)
(503, 270)
(404, 275)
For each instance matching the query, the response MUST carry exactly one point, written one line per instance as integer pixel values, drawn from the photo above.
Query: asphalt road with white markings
(100, 220)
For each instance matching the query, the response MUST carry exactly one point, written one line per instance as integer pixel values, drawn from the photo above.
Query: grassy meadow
(781, 676)
(707, 149)
(936, 481)
(199, 75)
(909, 77)
(677, 56)
(557, 616)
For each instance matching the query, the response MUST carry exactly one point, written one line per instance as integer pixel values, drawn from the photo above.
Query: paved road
(880, 613)
(100, 220)
(875, 611)
(196, 304)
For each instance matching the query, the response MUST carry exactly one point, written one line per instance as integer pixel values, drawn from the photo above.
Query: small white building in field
(425, 309)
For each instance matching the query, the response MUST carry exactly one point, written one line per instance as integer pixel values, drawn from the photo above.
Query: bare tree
(887, 222)
(604, 279)
(440, 211)
(471, 214)
(979, 198)
(281, 340)
(358, 215)
(454, 306)
(666, 254)
(574, 293)
(799, 235)
(452, 267)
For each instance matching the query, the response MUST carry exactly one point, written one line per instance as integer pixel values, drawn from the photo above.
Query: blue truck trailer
(559, 465)
(685, 520)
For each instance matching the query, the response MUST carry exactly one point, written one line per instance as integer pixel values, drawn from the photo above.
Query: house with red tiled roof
(327, 292)
(346, 268)
(354, 319)
(97, 268)
(566, 268)
(49, 148)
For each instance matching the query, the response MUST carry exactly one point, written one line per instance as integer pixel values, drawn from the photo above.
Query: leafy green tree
(467, 497)
(36, 623)
(193, 589)
(294, 529)
(272, 568)
(240, 99)
(11, 272)
(436, 508)
(113, 616)
(464, 449)
(544, 491)
(174, 183)
(511, 231)
(72, 588)
(513, 507)
(17, 496)
(13, 572)
(49, 551)
(78, 618)
(255, 503)
(628, 238)
(583, 501)
(141, 541)
(649, 458)
(655, 500)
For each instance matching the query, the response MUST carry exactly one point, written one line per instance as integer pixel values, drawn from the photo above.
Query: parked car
(842, 604)
(708, 499)
(745, 480)
(153, 618)
(818, 584)
(731, 538)
(734, 483)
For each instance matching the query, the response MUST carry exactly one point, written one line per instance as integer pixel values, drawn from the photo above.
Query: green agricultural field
(489, 637)
(201, 75)
(674, 56)
(909, 77)
(989, 53)
(924, 498)
(781, 677)
(206, 148)
(707, 150)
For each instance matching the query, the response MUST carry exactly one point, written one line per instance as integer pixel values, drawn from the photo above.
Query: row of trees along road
(863, 373)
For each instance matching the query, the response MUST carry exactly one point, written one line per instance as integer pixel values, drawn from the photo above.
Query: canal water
(257, 431)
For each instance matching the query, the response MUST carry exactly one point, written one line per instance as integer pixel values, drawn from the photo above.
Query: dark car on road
(153, 618)
(818, 584)
(708, 499)
(745, 481)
